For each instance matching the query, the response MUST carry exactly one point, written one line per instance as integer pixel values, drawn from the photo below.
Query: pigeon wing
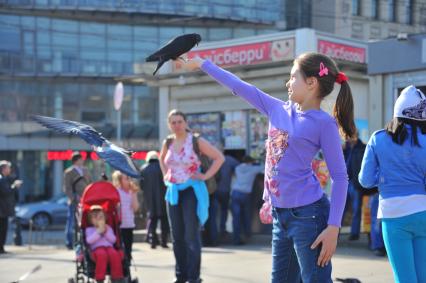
(85, 132)
(162, 52)
(120, 161)
(182, 45)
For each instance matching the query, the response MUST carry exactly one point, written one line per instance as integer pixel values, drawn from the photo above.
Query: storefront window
(356, 7)
(95, 103)
(258, 134)
(35, 170)
(392, 10)
(234, 130)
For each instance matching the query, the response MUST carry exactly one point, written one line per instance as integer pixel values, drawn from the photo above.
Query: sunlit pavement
(249, 263)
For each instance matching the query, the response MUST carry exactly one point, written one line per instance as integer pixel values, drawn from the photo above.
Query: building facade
(358, 19)
(61, 57)
(388, 75)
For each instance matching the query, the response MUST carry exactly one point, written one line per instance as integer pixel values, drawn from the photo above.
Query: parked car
(44, 213)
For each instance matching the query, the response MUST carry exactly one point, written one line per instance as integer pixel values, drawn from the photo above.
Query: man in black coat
(154, 190)
(7, 200)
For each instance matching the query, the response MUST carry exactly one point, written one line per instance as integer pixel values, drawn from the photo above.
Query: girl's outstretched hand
(328, 239)
(192, 64)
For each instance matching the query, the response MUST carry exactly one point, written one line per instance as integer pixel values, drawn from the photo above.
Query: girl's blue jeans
(405, 242)
(294, 231)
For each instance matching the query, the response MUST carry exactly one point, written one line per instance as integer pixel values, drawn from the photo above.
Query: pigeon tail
(160, 63)
(151, 59)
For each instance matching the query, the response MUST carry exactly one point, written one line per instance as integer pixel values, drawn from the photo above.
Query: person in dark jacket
(154, 190)
(355, 152)
(224, 190)
(7, 200)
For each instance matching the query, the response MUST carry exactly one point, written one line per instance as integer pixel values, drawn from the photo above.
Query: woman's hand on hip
(328, 241)
(199, 176)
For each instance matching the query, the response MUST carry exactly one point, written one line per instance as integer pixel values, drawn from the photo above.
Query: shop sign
(247, 54)
(67, 154)
(342, 51)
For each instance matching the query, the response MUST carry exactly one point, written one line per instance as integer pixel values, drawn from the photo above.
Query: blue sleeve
(369, 174)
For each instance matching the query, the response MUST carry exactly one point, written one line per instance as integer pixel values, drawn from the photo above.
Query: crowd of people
(190, 185)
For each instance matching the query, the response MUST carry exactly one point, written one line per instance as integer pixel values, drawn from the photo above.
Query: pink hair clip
(323, 70)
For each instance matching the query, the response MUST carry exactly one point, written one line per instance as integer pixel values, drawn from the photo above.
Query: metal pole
(30, 234)
(119, 126)
(17, 237)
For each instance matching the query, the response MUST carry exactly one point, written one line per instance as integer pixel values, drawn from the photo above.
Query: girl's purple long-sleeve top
(96, 240)
(294, 138)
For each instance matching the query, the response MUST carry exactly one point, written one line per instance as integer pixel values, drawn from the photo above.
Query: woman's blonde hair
(116, 178)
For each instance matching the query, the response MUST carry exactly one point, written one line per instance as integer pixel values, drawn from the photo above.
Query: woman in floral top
(186, 194)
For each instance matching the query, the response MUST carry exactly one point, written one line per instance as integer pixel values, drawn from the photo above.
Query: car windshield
(58, 199)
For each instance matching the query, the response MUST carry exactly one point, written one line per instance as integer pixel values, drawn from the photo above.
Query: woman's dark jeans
(185, 229)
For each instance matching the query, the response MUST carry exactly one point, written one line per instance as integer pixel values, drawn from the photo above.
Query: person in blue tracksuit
(395, 161)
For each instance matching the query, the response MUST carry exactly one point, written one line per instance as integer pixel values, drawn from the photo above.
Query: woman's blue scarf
(201, 193)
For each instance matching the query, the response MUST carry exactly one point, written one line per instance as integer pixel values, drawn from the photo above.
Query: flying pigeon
(115, 156)
(174, 49)
(25, 276)
(348, 280)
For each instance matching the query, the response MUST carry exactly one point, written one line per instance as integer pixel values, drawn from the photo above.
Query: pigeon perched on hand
(174, 49)
(115, 156)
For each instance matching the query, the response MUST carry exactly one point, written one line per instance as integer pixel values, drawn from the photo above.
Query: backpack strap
(169, 140)
(195, 144)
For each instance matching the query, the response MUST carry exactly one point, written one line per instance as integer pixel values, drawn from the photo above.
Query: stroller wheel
(71, 280)
(135, 280)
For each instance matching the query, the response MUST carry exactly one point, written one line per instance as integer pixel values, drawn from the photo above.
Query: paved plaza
(226, 264)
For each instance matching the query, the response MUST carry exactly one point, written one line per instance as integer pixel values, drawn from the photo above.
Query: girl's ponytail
(325, 70)
(344, 111)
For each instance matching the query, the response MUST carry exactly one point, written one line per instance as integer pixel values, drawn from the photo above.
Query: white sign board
(424, 50)
(118, 95)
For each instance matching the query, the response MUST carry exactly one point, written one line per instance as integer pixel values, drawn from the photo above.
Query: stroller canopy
(104, 194)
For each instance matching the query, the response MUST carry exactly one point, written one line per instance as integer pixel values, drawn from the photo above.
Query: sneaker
(353, 237)
(380, 252)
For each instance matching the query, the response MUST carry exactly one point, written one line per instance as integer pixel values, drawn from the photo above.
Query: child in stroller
(101, 239)
(98, 236)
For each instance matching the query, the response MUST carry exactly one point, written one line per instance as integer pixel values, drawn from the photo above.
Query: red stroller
(106, 195)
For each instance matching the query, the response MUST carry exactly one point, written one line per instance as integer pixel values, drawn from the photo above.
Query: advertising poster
(258, 135)
(207, 124)
(234, 130)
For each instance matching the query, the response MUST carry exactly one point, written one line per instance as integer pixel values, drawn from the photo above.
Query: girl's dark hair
(397, 129)
(309, 65)
(176, 112)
